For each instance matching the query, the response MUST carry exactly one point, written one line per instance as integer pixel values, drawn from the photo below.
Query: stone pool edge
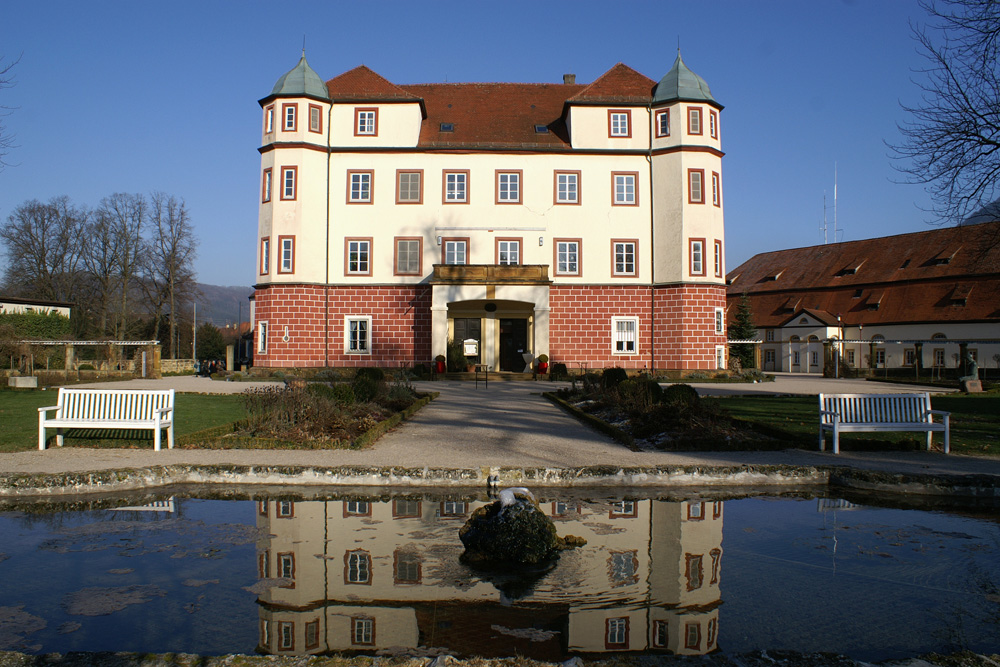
(14, 485)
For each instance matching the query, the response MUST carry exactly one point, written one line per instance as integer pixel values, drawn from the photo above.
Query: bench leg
(156, 439)
(41, 433)
(822, 440)
(59, 437)
(170, 437)
(947, 434)
(836, 439)
(930, 438)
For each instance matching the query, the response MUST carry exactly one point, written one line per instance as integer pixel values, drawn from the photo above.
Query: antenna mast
(834, 202)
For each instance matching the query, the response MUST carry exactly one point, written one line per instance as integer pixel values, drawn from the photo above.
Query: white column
(439, 330)
(540, 344)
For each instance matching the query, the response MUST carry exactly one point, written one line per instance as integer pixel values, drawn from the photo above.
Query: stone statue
(973, 367)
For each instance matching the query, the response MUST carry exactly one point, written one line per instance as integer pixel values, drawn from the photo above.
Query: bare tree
(100, 258)
(6, 138)
(170, 277)
(951, 143)
(43, 243)
(126, 216)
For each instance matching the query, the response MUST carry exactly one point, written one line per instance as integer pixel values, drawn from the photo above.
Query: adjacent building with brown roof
(912, 300)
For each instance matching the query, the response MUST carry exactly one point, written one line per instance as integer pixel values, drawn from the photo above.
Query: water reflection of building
(362, 576)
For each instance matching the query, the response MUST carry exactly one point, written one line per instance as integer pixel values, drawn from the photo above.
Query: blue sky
(143, 96)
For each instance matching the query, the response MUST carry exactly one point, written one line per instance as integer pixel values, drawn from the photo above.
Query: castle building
(584, 222)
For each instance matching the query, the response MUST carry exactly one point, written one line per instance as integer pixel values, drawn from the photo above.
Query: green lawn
(194, 412)
(975, 422)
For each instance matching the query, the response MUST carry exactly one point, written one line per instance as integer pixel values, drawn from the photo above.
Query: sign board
(471, 347)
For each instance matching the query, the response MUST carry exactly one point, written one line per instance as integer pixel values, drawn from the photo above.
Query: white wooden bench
(143, 409)
(854, 413)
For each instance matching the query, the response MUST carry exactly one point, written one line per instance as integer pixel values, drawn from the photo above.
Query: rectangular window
(697, 257)
(357, 508)
(718, 258)
(769, 335)
(939, 357)
(713, 124)
(357, 335)
(909, 356)
(695, 511)
(453, 508)
(660, 634)
(286, 509)
(879, 357)
(720, 357)
(663, 123)
(286, 566)
(315, 118)
(265, 195)
(508, 187)
(359, 257)
(409, 188)
(849, 357)
(269, 120)
(288, 115)
(286, 261)
(262, 337)
(716, 189)
(567, 259)
(265, 255)
(363, 631)
(567, 187)
(289, 176)
(624, 189)
(694, 120)
(359, 187)
(366, 122)
(406, 567)
(694, 571)
(409, 256)
(623, 257)
(286, 636)
(456, 187)
(455, 252)
(720, 321)
(619, 123)
(696, 186)
(692, 636)
(312, 635)
(616, 633)
(624, 333)
(623, 509)
(404, 508)
(508, 251)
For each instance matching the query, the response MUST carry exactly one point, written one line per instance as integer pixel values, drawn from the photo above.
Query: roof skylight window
(541, 129)
(447, 127)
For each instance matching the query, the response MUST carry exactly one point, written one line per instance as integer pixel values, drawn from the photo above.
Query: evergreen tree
(743, 328)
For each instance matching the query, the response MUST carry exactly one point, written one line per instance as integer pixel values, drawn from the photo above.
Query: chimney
(569, 78)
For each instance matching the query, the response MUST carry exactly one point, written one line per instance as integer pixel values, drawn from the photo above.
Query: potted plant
(439, 363)
(543, 363)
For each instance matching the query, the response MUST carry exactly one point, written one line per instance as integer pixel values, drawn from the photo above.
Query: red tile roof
(494, 115)
(363, 85)
(941, 275)
(619, 85)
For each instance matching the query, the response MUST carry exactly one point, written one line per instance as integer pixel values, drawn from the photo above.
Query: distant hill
(223, 305)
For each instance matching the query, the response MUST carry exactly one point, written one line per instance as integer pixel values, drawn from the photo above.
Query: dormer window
(619, 123)
(447, 127)
(366, 122)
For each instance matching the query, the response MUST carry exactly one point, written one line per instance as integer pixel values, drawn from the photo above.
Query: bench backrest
(112, 403)
(875, 408)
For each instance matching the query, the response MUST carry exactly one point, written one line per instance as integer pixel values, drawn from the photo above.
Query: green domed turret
(680, 83)
(300, 81)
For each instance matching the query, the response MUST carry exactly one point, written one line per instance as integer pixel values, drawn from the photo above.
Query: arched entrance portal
(511, 322)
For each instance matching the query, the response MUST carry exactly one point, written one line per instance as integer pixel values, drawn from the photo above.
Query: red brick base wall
(401, 325)
(683, 330)
(676, 325)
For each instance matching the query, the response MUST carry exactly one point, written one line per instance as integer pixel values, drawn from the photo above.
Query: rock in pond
(509, 533)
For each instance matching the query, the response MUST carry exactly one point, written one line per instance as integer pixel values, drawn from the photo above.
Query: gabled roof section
(361, 84)
(619, 85)
(494, 115)
(821, 316)
(300, 81)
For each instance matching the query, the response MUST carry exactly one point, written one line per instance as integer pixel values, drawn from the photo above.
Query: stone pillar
(963, 365)
(439, 331)
(828, 362)
(918, 358)
(540, 345)
(70, 364)
(154, 369)
(230, 357)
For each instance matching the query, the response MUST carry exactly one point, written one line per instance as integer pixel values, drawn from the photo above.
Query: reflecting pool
(348, 574)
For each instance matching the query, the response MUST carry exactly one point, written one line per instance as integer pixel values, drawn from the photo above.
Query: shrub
(85, 367)
(612, 377)
(366, 388)
(558, 372)
(698, 375)
(753, 375)
(422, 371)
(373, 372)
(339, 392)
(638, 395)
(680, 395)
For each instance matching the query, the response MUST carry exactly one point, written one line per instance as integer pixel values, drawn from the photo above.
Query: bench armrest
(163, 411)
(937, 412)
(53, 407)
(836, 415)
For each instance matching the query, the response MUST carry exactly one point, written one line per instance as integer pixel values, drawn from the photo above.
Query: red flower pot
(543, 366)
(439, 366)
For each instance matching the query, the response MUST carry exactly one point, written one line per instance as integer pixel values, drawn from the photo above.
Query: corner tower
(687, 222)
